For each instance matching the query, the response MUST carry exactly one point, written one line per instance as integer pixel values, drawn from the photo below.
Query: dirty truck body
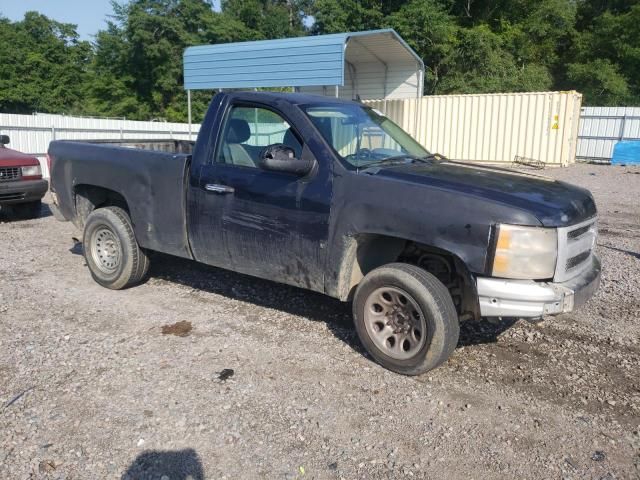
(331, 196)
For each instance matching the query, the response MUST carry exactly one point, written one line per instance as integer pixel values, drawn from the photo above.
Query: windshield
(363, 136)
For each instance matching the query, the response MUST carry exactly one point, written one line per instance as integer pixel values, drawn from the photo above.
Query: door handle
(213, 187)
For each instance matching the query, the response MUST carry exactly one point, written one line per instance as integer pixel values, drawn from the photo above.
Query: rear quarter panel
(152, 183)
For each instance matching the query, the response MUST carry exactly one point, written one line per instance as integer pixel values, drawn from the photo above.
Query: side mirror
(282, 158)
(4, 139)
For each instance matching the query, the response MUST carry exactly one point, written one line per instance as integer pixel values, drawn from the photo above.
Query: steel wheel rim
(105, 250)
(395, 322)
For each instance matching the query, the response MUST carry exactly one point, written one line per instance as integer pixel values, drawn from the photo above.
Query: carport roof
(292, 62)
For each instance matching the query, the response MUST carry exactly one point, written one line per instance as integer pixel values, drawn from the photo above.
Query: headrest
(238, 131)
(292, 141)
(324, 125)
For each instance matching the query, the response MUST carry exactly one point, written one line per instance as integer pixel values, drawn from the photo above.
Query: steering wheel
(363, 153)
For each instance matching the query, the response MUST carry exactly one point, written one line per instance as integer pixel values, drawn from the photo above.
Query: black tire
(430, 303)
(111, 250)
(25, 210)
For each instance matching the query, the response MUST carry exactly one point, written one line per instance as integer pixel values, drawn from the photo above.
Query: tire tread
(449, 331)
(139, 259)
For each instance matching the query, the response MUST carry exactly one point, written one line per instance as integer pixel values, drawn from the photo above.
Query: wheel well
(89, 197)
(371, 251)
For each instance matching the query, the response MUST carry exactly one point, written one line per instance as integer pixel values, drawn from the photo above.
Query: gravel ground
(99, 384)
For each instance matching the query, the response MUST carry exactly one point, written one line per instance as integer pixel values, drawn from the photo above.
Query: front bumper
(529, 299)
(21, 191)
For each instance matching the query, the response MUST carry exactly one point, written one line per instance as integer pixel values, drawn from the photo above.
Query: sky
(89, 15)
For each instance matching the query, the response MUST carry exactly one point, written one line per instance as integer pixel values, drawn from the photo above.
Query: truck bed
(150, 175)
(161, 145)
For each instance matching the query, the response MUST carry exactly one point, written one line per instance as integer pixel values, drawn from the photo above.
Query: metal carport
(375, 64)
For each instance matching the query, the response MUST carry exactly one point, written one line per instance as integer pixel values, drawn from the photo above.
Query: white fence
(602, 127)
(492, 128)
(32, 133)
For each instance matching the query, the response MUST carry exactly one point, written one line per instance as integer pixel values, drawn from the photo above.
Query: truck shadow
(476, 333)
(263, 293)
(176, 465)
(621, 250)
(6, 215)
(293, 300)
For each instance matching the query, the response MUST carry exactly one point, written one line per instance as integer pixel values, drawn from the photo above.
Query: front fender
(448, 220)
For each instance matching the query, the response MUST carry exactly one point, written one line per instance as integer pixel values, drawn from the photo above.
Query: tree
(44, 65)
(604, 59)
(270, 18)
(137, 70)
(467, 47)
(437, 41)
(600, 82)
(334, 16)
(482, 64)
(134, 67)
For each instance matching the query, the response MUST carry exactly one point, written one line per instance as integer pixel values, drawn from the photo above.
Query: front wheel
(405, 318)
(111, 250)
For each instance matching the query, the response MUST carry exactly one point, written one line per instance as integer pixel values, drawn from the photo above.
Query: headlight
(525, 252)
(33, 171)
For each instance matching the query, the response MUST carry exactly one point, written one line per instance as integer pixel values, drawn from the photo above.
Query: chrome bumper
(530, 299)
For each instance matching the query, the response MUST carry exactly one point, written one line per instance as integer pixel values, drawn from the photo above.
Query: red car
(21, 184)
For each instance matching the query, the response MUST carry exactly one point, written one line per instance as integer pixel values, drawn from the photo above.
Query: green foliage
(600, 80)
(437, 41)
(605, 55)
(480, 47)
(133, 68)
(472, 46)
(482, 64)
(271, 18)
(43, 65)
(137, 67)
(334, 16)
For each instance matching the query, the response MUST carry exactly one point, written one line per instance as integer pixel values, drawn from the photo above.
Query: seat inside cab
(243, 145)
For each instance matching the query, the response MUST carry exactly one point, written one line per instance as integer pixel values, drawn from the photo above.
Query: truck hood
(553, 203)
(13, 158)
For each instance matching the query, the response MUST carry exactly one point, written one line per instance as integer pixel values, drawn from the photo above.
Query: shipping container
(492, 128)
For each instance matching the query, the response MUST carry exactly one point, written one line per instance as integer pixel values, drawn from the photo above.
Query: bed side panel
(151, 182)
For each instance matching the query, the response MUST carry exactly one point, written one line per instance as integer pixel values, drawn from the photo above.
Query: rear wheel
(405, 318)
(111, 250)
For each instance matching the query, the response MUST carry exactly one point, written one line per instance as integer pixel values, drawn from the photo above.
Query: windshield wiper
(388, 160)
(433, 156)
(395, 158)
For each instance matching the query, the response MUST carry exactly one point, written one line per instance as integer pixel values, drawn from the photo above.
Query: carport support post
(189, 111)
(418, 97)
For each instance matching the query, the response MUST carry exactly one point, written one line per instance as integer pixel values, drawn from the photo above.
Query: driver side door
(274, 224)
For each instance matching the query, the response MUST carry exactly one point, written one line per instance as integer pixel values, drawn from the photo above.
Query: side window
(248, 130)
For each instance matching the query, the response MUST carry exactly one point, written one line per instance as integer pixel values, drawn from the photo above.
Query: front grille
(578, 232)
(575, 247)
(577, 260)
(9, 173)
(11, 196)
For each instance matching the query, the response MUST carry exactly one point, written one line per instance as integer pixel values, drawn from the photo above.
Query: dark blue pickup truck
(332, 196)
